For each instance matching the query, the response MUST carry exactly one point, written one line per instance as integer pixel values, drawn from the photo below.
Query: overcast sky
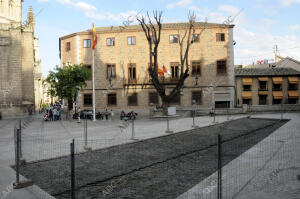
(259, 24)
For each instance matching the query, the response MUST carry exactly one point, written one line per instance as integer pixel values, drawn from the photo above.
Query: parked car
(84, 114)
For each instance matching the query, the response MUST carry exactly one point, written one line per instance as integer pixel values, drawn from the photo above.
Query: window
(68, 46)
(220, 37)
(131, 40)
(293, 86)
(174, 70)
(175, 99)
(197, 97)
(111, 99)
(222, 104)
(110, 41)
(246, 87)
(131, 73)
(276, 101)
(263, 86)
(221, 67)
(262, 99)
(292, 101)
(87, 99)
(133, 100)
(196, 38)
(153, 98)
(277, 87)
(89, 67)
(196, 68)
(86, 43)
(247, 101)
(111, 71)
(174, 38)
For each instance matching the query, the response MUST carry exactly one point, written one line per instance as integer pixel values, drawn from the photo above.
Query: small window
(153, 98)
(262, 99)
(221, 67)
(132, 72)
(196, 38)
(110, 41)
(197, 97)
(86, 43)
(222, 104)
(196, 68)
(133, 100)
(175, 99)
(174, 38)
(292, 101)
(247, 101)
(246, 87)
(68, 46)
(277, 87)
(111, 99)
(89, 67)
(174, 70)
(263, 86)
(293, 86)
(277, 101)
(111, 71)
(220, 37)
(87, 99)
(131, 40)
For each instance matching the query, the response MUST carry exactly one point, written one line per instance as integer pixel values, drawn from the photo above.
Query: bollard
(194, 125)
(72, 148)
(168, 126)
(85, 135)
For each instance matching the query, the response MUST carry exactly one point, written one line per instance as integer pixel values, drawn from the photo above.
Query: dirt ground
(162, 167)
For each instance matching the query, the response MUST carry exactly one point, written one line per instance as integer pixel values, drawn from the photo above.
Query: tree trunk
(70, 108)
(165, 106)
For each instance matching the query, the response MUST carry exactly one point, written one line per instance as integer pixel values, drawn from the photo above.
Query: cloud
(91, 11)
(288, 2)
(294, 27)
(180, 3)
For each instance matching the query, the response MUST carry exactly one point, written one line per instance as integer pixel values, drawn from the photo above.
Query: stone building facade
(122, 59)
(267, 86)
(17, 61)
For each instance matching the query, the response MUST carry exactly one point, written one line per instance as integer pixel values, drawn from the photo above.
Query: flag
(160, 71)
(94, 35)
(166, 70)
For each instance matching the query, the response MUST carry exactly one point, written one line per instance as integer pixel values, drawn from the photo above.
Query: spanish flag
(94, 40)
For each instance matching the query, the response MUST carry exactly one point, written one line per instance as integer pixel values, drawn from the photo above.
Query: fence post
(219, 167)
(72, 169)
(20, 139)
(17, 153)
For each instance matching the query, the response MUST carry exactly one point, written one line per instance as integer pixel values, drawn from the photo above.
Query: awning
(293, 80)
(247, 81)
(263, 92)
(293, 94)
(263, 79)
(277, 80)
(277, 94)
(247, 95)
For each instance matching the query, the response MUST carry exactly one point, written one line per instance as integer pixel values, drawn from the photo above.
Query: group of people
(129, 116)
(53, 112)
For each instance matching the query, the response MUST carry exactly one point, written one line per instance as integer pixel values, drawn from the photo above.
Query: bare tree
(153, 33)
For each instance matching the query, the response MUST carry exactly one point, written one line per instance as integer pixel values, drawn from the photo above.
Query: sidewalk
(266, 171)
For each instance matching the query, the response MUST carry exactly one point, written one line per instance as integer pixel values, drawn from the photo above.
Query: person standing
(55, 114)
(51, 114)
(106, 114)
(111, 114)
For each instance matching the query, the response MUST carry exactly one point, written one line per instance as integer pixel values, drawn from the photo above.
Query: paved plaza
(107, 133)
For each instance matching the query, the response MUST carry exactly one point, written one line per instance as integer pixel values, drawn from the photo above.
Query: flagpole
(94, 101)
